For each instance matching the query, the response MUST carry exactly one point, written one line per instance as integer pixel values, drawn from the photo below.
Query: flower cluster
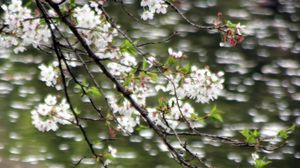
(203, 85)
(21, 28)
(142, 89)
(48, 115)
(172, 114)
(153, 6)
(124, 65)
(93, 26)
(232, 33)
(128, 118)
(173, 86)
(49, 74)
(177, 110)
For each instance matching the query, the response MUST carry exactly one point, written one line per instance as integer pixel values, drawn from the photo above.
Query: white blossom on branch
(48, 115)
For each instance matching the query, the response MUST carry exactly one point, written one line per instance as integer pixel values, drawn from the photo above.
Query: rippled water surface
(262, 89)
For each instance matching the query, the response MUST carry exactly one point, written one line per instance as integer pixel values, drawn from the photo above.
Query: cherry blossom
(94, 27)
(22, 28)
(128, 117)
(152, 7)
(203, 85)
(49, 74)
(172, 118)
(48, 115)
(174, 54)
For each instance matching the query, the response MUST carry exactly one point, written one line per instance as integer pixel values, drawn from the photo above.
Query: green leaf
(153, 76)
(291, 128)
(215, 114)
(162, 103)
(127, 81)
(171, 61)
(284, 134)
(261, 163)
(145, 64)
(126, 46)
(43, 22)
(246, 133)
(72, 3)
(195, 117)
(84, 83)
(97, 142)
(230, 24)
(250, 136)
(186, 69)
(141, 127)
(28, 4)
(93, 91)
(255, 134)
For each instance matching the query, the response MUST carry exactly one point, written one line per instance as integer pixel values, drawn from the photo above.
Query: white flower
(174, 85)
(255, 156)
(48, 115)
(22, 30)
(86, 18)
(44, 109)
(177, 111)
(48, 75)
(19, 49)
(128, 118)
(151, 61)
(177, 107)
(93, 26)
(147, 15)
(50, 100)
(112, 151)
(154, 6)
(174, 54)
(111, 54)
(63, 116)
(125, 66)
(41, 124)
(127, 123)
(239, 28)
(162, 8)
(117, 69)
(203, 85)
(107, 162)
(128, 60)
(187, 110)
